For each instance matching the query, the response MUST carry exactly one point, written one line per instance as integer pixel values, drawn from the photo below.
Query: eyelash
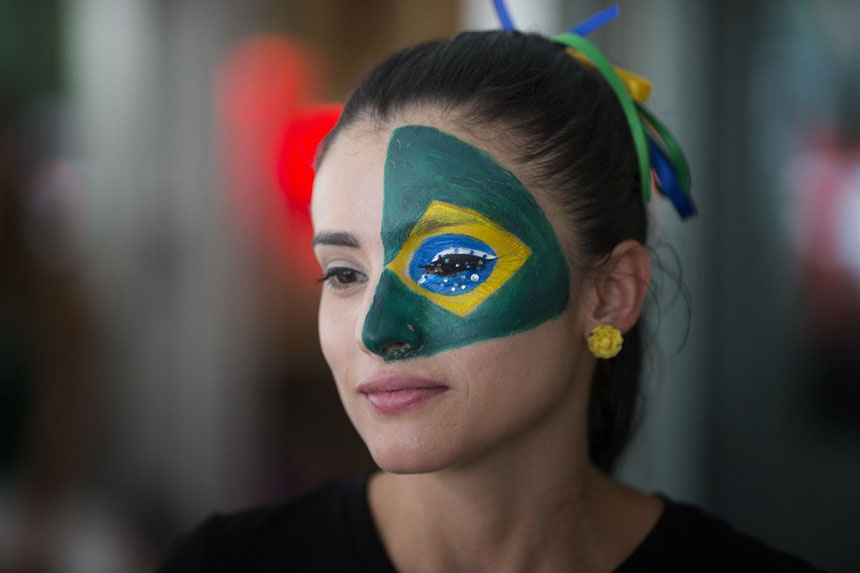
(334, 276)
(447, 269)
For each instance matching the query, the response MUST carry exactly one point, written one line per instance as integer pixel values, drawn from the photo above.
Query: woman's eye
(342, 277)
(450, 265)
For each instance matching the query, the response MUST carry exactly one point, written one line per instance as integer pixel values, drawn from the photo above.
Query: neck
(483, 521)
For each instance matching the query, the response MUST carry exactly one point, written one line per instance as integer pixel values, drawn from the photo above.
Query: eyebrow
(337, 238)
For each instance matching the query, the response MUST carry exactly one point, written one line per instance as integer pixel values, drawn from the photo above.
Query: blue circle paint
(451, 265)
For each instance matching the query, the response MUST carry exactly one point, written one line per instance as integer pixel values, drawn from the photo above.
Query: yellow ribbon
(639, 87)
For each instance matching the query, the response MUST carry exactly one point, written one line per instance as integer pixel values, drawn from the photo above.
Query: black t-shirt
(330, 529)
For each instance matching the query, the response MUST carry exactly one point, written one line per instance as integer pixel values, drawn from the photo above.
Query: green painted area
(424, 165)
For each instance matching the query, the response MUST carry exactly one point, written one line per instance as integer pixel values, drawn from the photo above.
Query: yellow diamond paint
(440, 217)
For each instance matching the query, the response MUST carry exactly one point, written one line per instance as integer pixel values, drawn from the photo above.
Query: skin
(493, 474)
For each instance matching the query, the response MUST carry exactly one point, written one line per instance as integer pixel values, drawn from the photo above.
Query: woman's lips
(400, 394)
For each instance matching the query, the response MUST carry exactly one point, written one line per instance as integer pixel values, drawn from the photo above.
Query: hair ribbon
(662, 163)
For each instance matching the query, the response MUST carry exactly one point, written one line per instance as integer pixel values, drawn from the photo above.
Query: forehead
(349, 185)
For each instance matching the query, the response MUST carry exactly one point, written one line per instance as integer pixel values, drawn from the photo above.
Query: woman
(480, 224)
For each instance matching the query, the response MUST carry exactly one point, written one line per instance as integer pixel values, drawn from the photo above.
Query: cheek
(337, 323)
(521, 377)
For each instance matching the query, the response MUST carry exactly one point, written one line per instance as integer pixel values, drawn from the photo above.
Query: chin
(400, 466)
(409, 456)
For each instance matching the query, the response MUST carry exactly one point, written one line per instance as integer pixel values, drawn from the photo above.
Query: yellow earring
(605, 341)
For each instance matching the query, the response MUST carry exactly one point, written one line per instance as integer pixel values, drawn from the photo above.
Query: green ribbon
(672, 148)
(631, 110)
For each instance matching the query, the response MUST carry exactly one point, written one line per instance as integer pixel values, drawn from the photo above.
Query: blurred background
(158, 349)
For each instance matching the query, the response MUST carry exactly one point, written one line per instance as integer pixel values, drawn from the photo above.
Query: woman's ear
(618, 290)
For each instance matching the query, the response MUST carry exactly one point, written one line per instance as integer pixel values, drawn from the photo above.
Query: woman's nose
(392, 327)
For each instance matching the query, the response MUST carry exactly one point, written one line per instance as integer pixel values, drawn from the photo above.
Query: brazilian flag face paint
(469, 254)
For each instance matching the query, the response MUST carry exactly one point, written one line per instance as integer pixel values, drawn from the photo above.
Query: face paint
(469, 255)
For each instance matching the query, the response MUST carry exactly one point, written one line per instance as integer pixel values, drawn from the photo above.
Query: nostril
(399, 351)
(395, 347)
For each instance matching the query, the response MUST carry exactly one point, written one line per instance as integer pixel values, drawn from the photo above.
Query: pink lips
(396, 394)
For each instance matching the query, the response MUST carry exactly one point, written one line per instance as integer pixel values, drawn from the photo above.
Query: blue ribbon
(596, 21)
(504, 17)
(667, 183)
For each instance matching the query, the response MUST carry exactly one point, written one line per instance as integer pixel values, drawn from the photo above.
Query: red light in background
(263, 79)
(269, 132)
(306, 129)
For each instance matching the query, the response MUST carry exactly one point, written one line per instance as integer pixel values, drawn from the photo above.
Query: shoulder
(687, 539)
(314, 531)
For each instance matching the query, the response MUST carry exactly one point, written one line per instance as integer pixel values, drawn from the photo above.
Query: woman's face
(446, 315)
